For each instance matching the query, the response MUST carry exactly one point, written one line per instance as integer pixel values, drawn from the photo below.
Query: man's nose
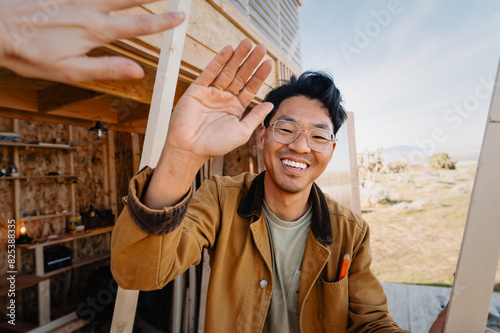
(300, 144)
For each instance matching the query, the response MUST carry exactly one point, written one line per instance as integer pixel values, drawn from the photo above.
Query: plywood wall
(47, 196)
(124, 166)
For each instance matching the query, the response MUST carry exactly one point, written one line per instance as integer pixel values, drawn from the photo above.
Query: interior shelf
(78, 263)
(44, 216)
(22, 281)
(41, 177)
(63, 238)
(39, 145)
(28, 280)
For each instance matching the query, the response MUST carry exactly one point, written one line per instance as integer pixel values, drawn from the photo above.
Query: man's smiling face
(292, 168)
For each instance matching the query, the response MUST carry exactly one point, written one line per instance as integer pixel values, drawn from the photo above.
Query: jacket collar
(251, 205)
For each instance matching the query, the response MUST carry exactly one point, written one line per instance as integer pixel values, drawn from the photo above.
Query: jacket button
(263, 284)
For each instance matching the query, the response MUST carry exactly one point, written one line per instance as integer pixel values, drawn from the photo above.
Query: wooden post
(17, 182)
(72, 171)
(136, 151)
(353, 163)
(480, 251)
(44, 302)
(177, 303)
(105, 158)
(156, 132)
(192, 298)
(164, 90)
(112, 173)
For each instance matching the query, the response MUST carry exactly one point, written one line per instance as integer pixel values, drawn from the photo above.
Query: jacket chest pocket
(335, 305)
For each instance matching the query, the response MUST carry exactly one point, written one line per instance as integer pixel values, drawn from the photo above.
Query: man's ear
(333, 149)
(261, 136)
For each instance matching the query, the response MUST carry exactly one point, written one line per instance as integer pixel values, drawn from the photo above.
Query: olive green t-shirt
(288, 242)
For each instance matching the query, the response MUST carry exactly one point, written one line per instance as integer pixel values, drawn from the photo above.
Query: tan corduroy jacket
(152, 247)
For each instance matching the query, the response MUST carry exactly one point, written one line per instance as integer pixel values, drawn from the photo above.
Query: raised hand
(207, 120)
(49, 39)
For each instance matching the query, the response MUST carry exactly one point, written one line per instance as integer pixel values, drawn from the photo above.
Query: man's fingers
(226, 75)
(255, 117)
(213, 68)
(109, 5)
(252, 87)
(83, 69)
(246, 69)
(116, 27)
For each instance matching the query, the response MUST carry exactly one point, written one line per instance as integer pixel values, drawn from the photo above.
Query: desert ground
(417, 217)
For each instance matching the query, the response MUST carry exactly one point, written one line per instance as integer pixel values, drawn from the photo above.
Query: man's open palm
(207, 121)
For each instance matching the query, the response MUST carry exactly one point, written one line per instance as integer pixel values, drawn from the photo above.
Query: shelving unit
(42, 279)
(62, 179)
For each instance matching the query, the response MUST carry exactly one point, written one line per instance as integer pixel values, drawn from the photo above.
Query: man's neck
(287, 206)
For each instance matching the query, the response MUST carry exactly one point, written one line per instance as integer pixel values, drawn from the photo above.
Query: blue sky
(414, 73)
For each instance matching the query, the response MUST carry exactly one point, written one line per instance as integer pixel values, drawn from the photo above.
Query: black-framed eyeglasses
(318, 139)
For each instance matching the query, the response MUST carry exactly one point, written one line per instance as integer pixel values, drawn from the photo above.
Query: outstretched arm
(207, 120)
(50, 39)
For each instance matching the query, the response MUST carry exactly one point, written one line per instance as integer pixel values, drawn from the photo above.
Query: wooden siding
(278, 20)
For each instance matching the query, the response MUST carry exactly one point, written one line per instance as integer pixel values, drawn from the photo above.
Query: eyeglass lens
(287, 132)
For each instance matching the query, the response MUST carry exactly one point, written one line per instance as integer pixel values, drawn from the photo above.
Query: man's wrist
(172, 178)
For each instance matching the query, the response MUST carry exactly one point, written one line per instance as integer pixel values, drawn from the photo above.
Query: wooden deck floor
(415, 307)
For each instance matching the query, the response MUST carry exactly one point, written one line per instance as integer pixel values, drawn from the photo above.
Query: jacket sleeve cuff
(153, 221)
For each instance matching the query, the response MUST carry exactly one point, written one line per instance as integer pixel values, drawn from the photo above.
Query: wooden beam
(480, 250)
(132, 112)
(113, 196)
(136, 50)
(56, 325)
(156, 132)
(72, 172)
(55, 97)
(50, 118)
(136, 152)
(105, 162)
(137, 90)
(17, 182)
(166, 81)
(353, 164)
(192, 298)
(43, 302)
(15, 97)
(124, 313)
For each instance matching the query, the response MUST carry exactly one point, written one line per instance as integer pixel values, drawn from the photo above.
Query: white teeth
(294, 164)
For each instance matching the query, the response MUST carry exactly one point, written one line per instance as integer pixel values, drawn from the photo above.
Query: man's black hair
(313, 85)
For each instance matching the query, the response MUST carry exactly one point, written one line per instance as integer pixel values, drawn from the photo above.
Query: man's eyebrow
(285, 117)
(324, 126)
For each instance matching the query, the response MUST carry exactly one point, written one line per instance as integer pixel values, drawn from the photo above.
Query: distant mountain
(415, 155)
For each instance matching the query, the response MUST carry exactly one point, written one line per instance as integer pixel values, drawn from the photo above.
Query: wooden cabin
(58, 176)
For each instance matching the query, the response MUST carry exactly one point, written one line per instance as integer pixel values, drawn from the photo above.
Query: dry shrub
(441, 161)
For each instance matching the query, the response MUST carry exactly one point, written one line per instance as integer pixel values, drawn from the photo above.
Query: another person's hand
(50, 39)
(438, 325)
